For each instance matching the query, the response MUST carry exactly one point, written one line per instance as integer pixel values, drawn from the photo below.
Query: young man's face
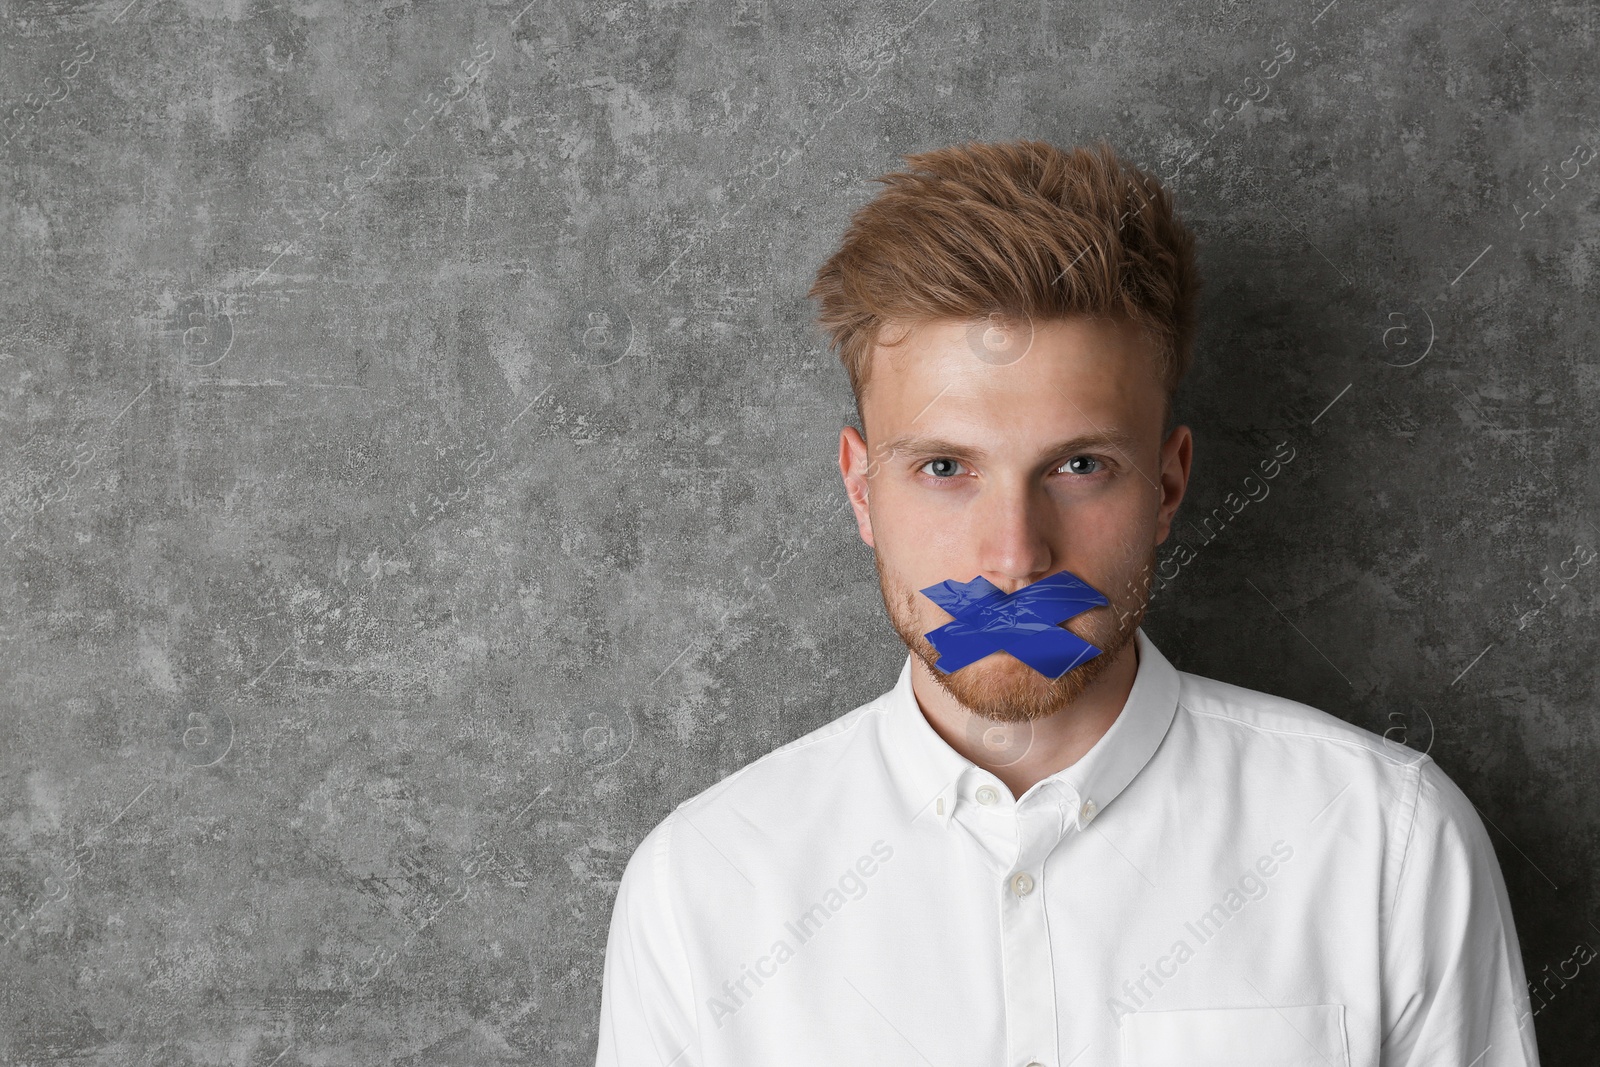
(1016, 454)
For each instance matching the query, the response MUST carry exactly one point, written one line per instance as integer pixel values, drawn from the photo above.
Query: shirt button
(1088, 811)
(1022, 884)
(986, 795)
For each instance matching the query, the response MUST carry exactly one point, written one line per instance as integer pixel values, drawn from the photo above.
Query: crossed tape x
(1025, 623)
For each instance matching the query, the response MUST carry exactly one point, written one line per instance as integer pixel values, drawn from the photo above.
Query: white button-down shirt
(1226, 879)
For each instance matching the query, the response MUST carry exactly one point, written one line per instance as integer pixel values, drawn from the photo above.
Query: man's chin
(1003, 689)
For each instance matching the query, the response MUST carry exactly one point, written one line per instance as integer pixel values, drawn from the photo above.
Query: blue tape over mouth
(1024, 623)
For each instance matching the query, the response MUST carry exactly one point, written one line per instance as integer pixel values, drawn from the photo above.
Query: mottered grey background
(418, 464)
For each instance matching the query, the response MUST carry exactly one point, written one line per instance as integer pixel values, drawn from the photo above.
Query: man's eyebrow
(924, 445)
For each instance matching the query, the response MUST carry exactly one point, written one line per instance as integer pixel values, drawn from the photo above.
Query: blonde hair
(1021, 229)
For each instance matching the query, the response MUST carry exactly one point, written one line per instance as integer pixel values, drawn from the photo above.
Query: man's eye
(944, 468)
(1075, 459)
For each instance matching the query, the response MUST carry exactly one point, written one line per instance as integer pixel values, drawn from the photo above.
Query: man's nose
(1012, 525)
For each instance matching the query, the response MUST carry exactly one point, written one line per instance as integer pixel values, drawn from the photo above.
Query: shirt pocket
(1305, 1035)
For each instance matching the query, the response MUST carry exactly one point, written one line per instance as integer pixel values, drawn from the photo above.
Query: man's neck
(1056, 742)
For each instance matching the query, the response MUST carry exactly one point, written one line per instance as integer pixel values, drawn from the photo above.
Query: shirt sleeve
(1454, 986)
(647, 1014)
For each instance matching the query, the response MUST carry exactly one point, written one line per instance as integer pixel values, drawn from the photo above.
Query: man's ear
(1177, 451)
(856, 470)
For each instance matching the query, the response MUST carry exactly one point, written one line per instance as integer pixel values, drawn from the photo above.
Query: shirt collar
(930, 774)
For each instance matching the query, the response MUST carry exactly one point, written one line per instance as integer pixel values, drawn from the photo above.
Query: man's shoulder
(791, 764)
(1252, 719)
(766, 790)
(1286, 753)
(1391, 776)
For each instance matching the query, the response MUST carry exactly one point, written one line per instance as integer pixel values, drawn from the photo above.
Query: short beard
(1000, 687)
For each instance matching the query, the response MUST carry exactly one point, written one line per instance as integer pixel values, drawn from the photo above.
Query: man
(1108, 861)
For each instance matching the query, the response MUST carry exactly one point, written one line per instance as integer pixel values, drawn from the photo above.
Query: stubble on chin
(1001, 687)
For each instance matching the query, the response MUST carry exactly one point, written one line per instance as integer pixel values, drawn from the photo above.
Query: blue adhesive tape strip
(1025, 623)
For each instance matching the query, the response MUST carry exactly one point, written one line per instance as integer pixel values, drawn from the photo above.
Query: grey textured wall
(418, 461)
